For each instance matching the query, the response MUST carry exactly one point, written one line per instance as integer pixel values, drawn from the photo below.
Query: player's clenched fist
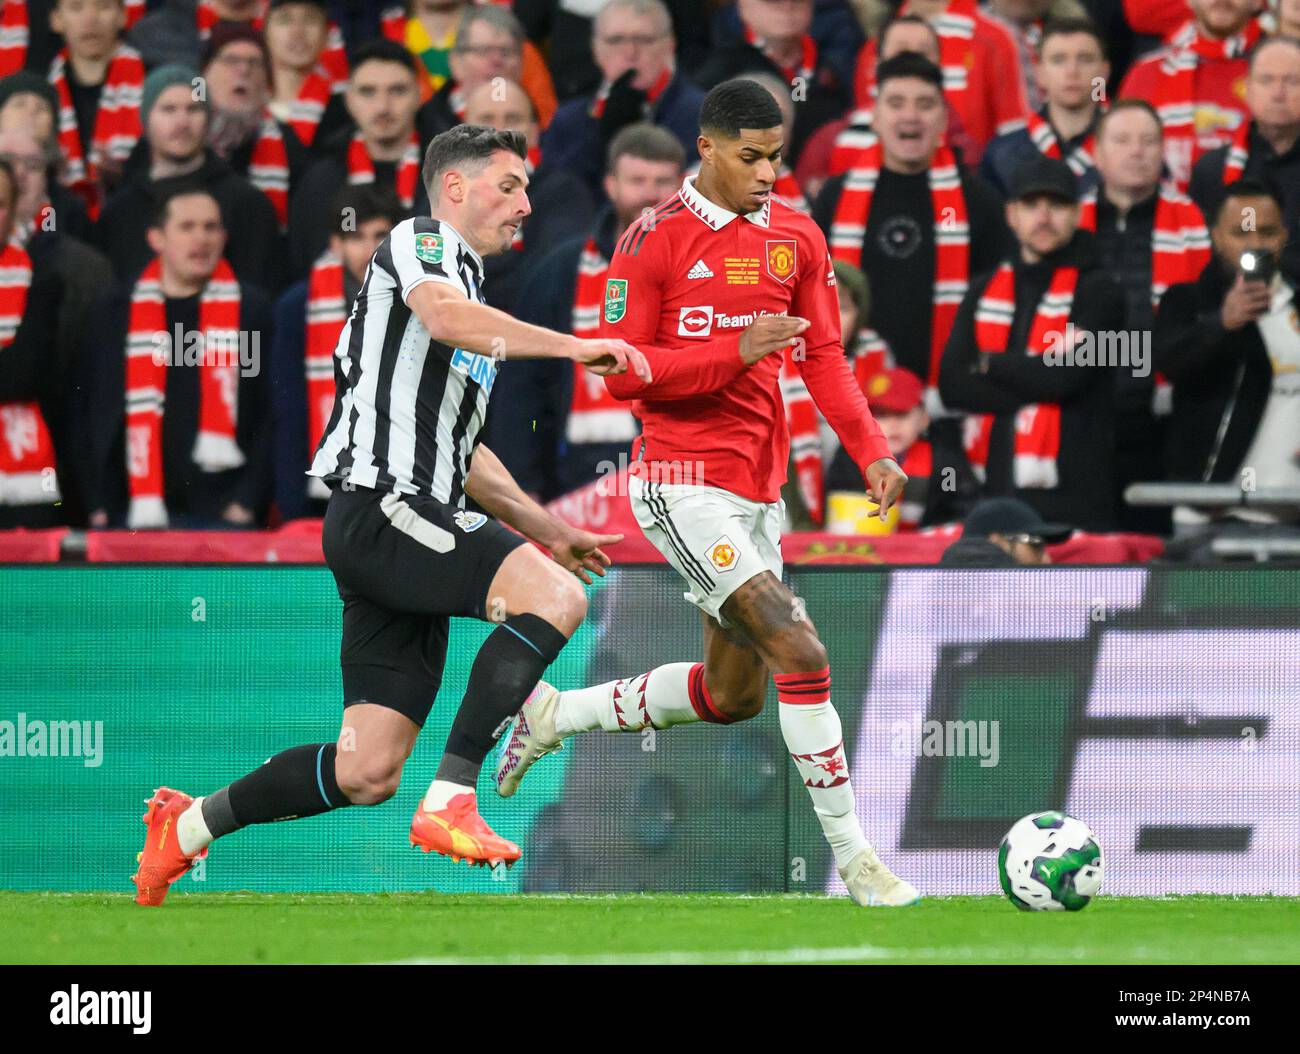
(607, 357)
(885, 481)
(769, 333)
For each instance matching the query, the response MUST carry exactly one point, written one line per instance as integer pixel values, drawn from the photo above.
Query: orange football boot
(458, 831)
(161, 861)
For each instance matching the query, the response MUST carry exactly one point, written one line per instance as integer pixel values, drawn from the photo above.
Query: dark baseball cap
(1012, 516)
(1043, 175)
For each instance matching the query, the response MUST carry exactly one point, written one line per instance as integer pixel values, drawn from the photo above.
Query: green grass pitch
(648, 928)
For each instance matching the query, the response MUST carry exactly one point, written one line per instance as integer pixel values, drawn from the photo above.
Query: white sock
(815, 739)
(441, 792)
(191, 830)
(659, 699)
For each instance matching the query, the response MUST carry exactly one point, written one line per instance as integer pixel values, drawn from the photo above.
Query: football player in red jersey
(711, 288)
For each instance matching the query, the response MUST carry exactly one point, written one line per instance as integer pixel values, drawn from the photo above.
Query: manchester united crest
(723, 554)
(781, 260)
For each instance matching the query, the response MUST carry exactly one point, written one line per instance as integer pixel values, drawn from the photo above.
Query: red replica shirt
(1218, 107)
(986, 90)
(682, 289)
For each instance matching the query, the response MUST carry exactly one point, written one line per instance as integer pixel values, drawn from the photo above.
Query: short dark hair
(366, 202)
(736, 104)
(1246, 188)
(646, 142)
(903, 20)
(384, 50)
(467, 142)
(1130, 103)
(909, 64)
(161, 207)
(1065, 27)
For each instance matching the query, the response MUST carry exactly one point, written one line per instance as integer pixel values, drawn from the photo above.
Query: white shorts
(716, 540)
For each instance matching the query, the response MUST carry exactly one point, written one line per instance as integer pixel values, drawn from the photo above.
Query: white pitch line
(760, 956)
(666, 958)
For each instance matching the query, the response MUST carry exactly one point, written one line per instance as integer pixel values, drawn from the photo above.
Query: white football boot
(872, 885)
(532, 736)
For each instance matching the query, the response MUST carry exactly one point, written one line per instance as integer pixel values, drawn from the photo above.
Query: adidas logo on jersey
(700, 270)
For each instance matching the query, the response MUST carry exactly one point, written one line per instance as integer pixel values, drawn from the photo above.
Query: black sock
(507, 667)
(296, 783)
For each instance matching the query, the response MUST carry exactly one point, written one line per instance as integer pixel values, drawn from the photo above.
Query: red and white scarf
(652, 94)
(1081, 159)
(327, 314)
(1180, 243)
(787, 188)
(333, 59)
(134, 12)
(951, 235)
(852, 141)
(1234, 165)
(955, 29)
(117, 122)
(1174, 100)
(215, 449)
(1180, 249)
(918, 467)
(392, 23)
(804, 69)
(871, 355)
(268, 167)
(804, 425)
(362, 170)
(14, 36)
(308, 106)
(1038, 425)
(595, 416)
(27, 470)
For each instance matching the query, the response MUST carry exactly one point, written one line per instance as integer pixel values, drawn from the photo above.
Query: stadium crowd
(1011, 192)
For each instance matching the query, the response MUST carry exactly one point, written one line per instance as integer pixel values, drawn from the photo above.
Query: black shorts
(404, 565)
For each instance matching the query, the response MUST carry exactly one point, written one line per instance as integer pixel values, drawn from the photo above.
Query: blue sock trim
(506, 625)
(320, 784)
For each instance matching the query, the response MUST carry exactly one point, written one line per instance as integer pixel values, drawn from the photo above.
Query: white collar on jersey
(461, 239)
(715, 215)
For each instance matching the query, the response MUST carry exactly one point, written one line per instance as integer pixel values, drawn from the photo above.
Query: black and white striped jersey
(407, 409)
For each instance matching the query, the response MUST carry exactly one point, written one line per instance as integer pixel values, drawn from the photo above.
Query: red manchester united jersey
(682, 286)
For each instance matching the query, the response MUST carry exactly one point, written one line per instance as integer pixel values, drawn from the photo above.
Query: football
(1050, 862)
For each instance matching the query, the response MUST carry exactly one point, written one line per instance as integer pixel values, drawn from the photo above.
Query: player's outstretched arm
(490, 484)
(678, 376)
(452, 318)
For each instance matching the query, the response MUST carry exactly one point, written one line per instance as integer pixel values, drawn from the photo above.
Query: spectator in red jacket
(1198, 82)
(832, 148)
(982, 78)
